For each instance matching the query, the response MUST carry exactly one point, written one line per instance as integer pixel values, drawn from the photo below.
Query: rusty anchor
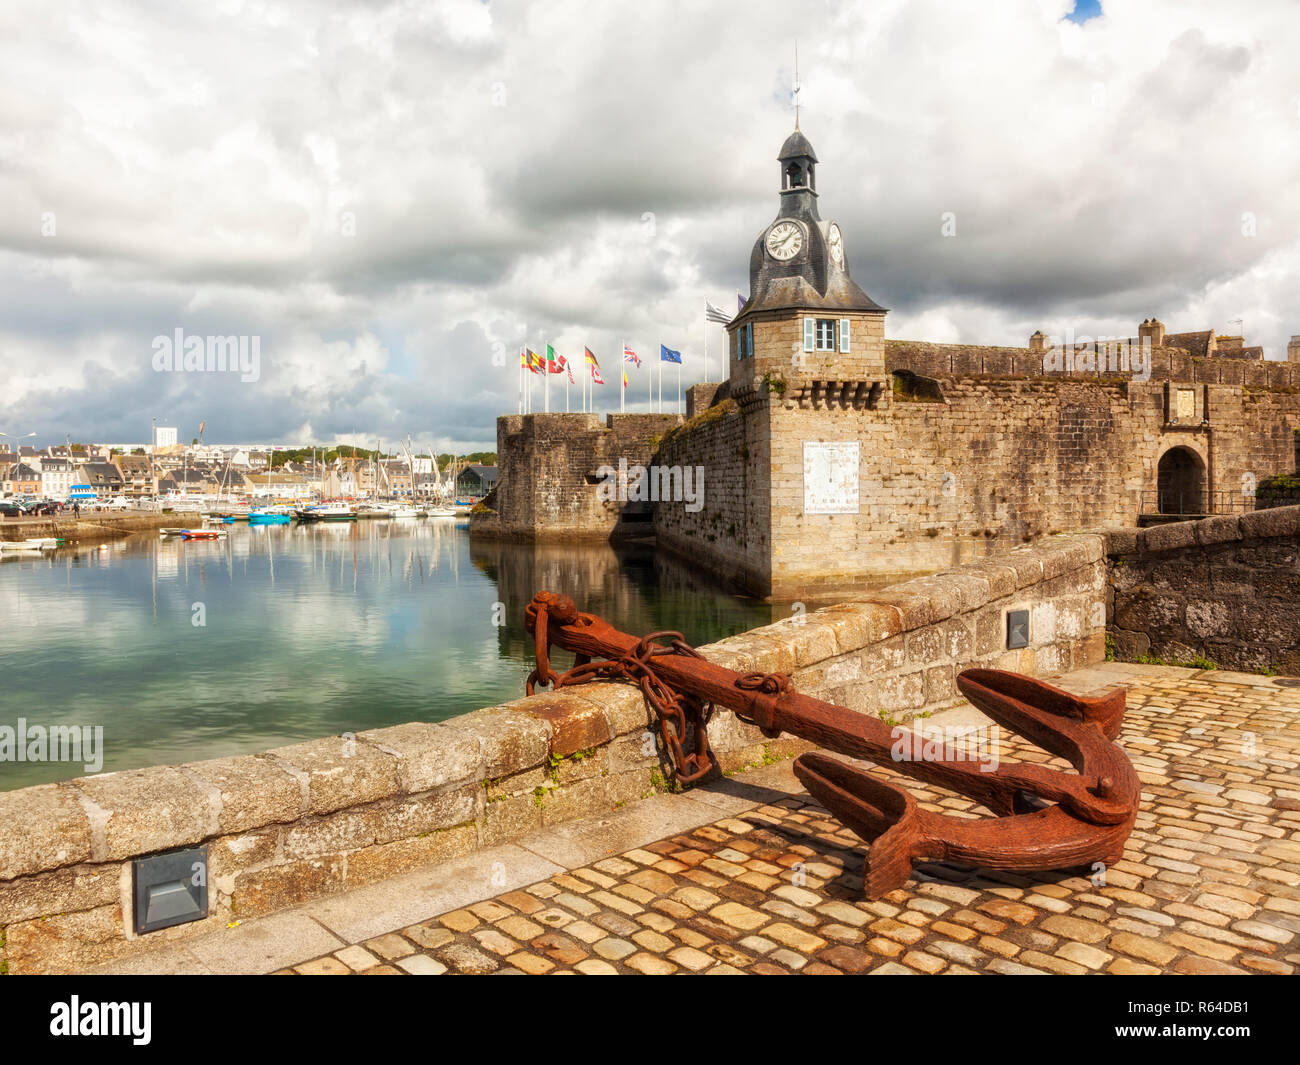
(1043, 818)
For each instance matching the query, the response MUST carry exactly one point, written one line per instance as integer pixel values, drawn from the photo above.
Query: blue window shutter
(844, 335)
(809, 324)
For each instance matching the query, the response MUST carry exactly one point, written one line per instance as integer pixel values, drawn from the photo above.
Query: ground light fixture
(170, 888)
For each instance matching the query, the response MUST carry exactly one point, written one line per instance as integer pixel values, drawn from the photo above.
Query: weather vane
(796, 83)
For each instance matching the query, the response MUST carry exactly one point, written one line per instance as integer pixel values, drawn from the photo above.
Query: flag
(554, 364)
(712, 314)
(534, 361)
(740, 302)
(668, 355)
(586, 354)
(570, 369)
(631, 356)
(625, 379)
(595, 375)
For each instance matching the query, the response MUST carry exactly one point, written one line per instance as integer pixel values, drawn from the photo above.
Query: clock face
(784, 240)
(836, 241)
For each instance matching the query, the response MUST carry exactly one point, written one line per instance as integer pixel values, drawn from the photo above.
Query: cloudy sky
(393, 196)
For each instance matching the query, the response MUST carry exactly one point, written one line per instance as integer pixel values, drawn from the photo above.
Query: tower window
(795, 175)
(745, 341)
(825, 334)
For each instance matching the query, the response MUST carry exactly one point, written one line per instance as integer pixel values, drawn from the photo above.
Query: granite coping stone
(44, 827)
(1167, 537)
(252, 791)
(338, 771)
(1275, 521)
(430, 756)
(139, 811)
(510, 739)
(1218, 530)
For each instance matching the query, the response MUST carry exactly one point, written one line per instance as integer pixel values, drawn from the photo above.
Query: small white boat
(441, 512)
(404, 511)
(32, 543)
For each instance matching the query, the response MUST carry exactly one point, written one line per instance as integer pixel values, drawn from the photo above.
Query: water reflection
(191, 650)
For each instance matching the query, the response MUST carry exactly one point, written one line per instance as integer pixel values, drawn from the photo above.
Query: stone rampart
(1225, 589)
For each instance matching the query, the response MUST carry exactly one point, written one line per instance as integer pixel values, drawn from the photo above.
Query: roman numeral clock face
(784, 240)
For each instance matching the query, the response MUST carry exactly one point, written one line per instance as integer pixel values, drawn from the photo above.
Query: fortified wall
(974, 450)
(549, 484)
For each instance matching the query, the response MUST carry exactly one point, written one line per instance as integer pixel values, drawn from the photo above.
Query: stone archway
(1180, 482)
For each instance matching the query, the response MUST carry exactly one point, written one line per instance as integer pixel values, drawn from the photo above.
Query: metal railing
(1195, 502)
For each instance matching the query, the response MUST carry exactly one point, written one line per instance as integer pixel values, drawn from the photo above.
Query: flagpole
(706, 339)
(546, 383)
(680, 405)
(622, 390)
(661, 378)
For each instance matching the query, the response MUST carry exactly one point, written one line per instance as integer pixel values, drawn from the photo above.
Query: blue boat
(269, 517)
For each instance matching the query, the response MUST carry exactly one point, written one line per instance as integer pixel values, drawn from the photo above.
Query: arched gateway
(1180, 482)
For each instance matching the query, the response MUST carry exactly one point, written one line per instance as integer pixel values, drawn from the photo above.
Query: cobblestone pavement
(1210, 881)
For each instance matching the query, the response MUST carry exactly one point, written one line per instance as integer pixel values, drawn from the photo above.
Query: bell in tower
(798, 177)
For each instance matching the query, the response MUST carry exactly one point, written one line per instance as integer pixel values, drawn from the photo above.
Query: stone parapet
(1223, 591)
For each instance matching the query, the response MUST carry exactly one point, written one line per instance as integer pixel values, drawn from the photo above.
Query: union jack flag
(631, 356)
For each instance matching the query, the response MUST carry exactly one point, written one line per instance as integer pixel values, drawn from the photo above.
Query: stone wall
(1167, 364)
(896, 652)
(977, 464)
(1226, 589)
(730, 534)
(548, 474)
(313, 819)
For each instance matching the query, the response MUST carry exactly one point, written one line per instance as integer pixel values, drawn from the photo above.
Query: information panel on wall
(830, 477)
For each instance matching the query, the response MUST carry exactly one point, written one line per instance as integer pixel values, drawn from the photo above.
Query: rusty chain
(683, 719)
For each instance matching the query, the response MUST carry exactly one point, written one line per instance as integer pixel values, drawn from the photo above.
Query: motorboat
(328, 512)
(271, 515)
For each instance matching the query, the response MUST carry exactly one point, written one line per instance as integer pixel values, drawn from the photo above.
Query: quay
(93, 526)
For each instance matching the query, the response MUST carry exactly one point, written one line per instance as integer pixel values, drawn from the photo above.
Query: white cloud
(405, 185)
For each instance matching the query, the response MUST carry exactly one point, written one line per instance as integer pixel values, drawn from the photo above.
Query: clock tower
(807, 324)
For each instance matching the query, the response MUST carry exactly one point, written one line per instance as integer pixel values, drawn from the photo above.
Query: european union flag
(668, 355)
